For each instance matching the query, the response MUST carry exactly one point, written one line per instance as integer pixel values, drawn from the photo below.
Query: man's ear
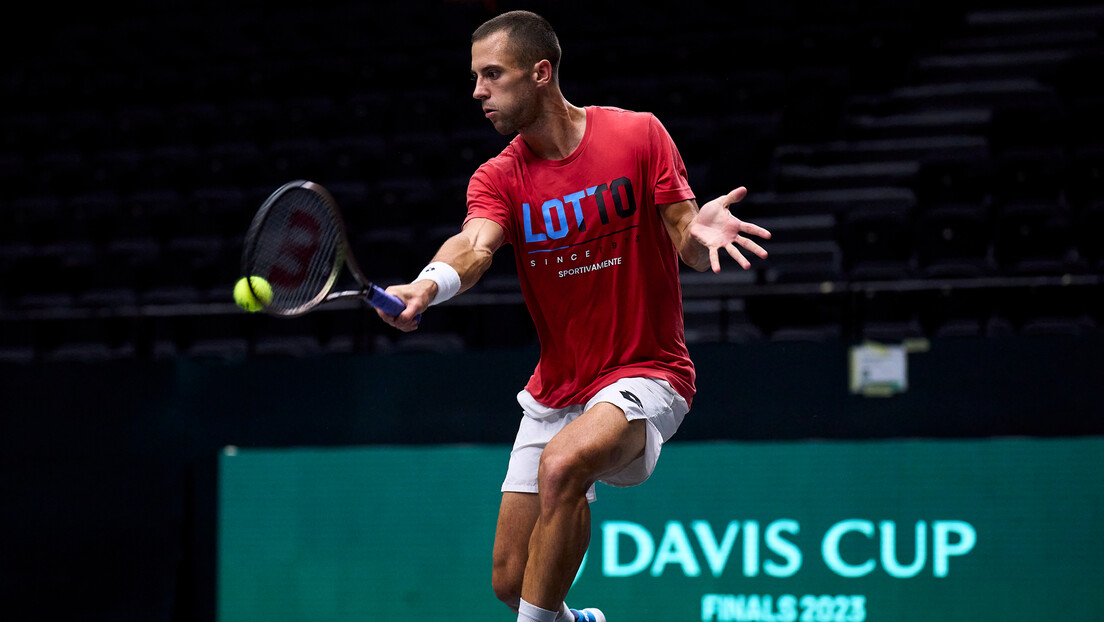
(542, 72)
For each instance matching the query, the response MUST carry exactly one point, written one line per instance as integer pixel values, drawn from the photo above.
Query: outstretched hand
(714, 227)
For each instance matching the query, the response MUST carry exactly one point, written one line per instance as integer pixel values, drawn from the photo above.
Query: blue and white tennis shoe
(588, 615)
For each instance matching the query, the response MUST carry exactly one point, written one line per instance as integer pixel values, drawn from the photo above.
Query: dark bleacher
(926, 173)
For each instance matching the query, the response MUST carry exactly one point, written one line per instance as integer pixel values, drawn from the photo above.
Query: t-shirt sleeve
(485, 201)
(672, 184)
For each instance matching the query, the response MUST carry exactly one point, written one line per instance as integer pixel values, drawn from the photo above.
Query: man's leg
(516, 516)
(600, 441)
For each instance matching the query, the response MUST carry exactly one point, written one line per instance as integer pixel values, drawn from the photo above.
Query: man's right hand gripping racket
(297, 242)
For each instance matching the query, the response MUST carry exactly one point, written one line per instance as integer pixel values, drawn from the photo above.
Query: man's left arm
(699, 233)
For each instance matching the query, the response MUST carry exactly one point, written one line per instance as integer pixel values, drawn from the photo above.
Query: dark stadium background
(932, 174)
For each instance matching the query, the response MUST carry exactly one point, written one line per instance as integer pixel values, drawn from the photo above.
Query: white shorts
(655, 401)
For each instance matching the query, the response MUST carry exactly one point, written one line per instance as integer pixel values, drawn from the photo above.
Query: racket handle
(385, 302)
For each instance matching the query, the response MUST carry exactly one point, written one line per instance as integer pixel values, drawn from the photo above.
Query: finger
(400, 322)
(750, 245)
(736, 195)
(754, 229)
(406, 325)
(739, 257)
(391, 320)
(714, 260)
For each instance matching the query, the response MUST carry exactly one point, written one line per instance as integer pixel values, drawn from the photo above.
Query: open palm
(714, 227)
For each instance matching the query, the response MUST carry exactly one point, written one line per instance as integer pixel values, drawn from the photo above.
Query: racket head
(297, 243)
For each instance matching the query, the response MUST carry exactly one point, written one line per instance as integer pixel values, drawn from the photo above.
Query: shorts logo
(632, 398)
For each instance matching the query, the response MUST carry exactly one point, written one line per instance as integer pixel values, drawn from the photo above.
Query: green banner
(766, 532)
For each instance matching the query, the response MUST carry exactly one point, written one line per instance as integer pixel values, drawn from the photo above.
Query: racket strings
(298, 250)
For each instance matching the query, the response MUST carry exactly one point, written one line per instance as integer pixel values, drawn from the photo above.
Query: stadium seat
(1089, 227)
(99, 216)
(389, 253)
(162, 214)
(39, 218)
(175, 166)
(355, 158)
(878, 243)
(955, 179)
(120, 169)
(126, 269)
(954, 241)
(197, 123)
(89, 340)
(279, 337)
(140, 126)
(61, 172)
(56, 273)
(252, 119)
(1029, 173)
(800, 262)
(295, 158)
(1035, 238)
(18, 342)
(1083, 176)
(235, 164)
(219, 336)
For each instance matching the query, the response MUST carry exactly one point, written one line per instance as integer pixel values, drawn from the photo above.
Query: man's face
(506, 91)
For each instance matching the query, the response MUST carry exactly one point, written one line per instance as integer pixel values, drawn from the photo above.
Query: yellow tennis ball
(254, 299)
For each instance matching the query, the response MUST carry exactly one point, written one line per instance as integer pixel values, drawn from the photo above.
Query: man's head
(531, 38)
(515, 57)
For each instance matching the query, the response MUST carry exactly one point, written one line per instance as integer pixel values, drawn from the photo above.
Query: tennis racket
(297, 242)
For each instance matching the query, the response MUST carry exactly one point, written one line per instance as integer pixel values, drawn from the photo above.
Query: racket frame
(343, 256)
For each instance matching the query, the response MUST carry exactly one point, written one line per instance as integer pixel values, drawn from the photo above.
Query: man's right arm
(469, 252)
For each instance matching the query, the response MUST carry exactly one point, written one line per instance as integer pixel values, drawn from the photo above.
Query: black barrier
(108, 469)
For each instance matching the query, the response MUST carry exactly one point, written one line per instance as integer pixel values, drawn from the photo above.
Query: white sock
(532, 613)
(565, 614)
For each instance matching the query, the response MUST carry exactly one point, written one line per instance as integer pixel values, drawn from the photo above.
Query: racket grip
(385, 302)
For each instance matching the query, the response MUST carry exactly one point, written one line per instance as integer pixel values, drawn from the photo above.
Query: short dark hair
(532, 38)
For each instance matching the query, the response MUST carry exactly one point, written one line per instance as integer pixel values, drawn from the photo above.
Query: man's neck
(558, 132)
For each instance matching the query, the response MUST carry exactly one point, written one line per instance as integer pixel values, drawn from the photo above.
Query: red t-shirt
(597, 267)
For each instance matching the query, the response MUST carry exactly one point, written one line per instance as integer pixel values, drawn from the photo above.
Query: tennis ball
(254, 299)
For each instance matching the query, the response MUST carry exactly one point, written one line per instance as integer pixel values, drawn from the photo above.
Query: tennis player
(596, 205)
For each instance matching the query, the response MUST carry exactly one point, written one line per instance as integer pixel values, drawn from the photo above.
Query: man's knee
(562, 473)
(569, 465)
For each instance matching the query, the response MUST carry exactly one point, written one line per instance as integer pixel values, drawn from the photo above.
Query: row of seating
(175, 243)
(1051, 309)
(264, 121)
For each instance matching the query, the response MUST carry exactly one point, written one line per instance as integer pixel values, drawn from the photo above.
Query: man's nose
(480, 91)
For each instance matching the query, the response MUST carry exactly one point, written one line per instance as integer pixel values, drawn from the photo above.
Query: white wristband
(446, 278)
